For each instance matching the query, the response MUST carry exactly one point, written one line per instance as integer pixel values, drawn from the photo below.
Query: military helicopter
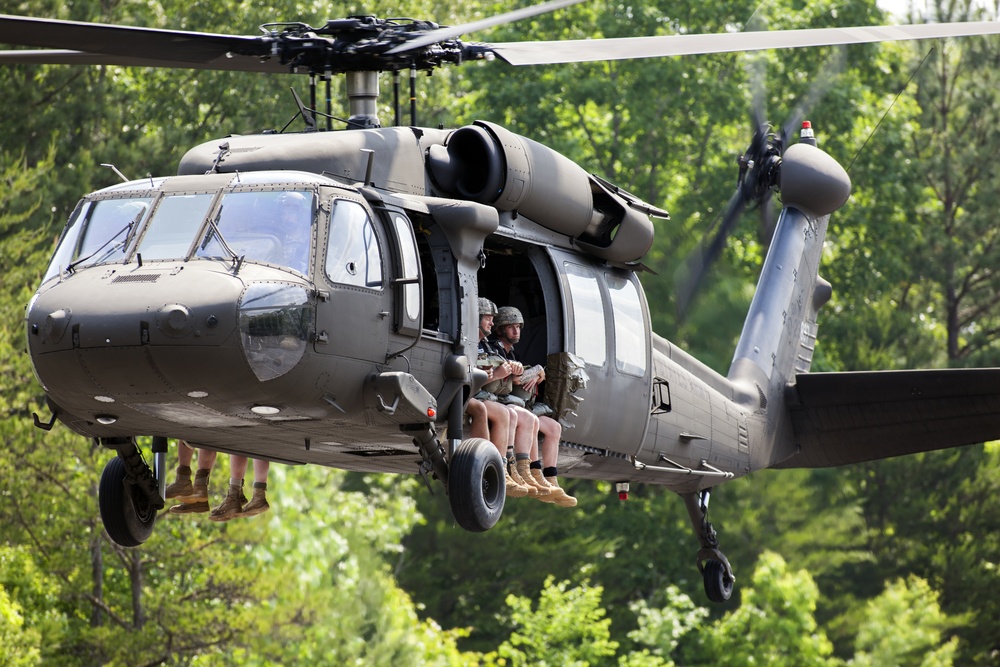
(311, 297)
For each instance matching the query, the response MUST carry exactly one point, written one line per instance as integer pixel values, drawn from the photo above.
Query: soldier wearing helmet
(541, 470)
(500, 419)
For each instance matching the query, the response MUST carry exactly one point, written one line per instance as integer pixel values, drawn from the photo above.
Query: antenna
(115, 169)
(894, 100)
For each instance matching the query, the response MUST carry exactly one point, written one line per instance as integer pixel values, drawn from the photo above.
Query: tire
(718, 586)
(126, 516)
(477, 485)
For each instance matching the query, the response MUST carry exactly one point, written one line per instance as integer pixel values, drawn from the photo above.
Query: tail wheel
(476, 485)
(718, 584)
(126, 515)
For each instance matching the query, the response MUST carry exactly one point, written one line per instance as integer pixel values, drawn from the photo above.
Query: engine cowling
(489, 164)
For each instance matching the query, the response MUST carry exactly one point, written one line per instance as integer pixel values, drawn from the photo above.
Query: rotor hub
(362, 44)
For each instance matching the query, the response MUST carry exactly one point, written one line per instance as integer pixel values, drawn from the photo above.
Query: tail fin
(779, 334)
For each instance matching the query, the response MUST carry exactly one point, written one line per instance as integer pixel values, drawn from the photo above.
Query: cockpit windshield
(273, 226)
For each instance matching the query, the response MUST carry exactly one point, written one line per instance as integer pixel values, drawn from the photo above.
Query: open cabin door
(596, 312)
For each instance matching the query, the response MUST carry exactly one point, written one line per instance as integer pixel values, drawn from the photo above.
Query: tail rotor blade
(690, 276)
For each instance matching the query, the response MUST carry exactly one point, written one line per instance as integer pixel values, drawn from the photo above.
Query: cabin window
(272, 227)
(590, 339)
(353, 256)
(99, 232)
(174, 225)
(411, 272)
(630, 327)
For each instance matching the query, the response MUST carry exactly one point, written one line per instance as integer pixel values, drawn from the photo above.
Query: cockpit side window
(353, 256)
(273, 227)
(67, 242)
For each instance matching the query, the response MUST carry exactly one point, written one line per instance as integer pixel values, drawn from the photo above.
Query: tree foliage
(372, 570)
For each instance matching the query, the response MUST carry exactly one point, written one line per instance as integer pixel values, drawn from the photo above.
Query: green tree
(904, 626)
(567, 628)
(663, 629)
(775, 623)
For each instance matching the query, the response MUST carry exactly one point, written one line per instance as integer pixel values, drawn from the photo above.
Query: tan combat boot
(512, 470)
(232, 505)
(196, 501)
(552, 495)
(514, 490)
(559, 495)
(181, 485)
(258, 504)
(524, 470)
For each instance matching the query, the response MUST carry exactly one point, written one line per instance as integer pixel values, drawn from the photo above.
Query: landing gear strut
(712, 563)
(129, 494)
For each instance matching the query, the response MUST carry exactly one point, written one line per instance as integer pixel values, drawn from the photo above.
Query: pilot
(502, 421)
(544, 471)
(294, 215)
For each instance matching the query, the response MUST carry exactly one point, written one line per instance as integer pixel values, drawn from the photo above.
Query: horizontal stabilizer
(841, 418)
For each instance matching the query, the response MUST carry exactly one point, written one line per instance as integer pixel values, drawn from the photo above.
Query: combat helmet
(508, 315)
(486, 307)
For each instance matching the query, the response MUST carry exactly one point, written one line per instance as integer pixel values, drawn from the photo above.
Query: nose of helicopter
(111, 336)
(103, 309)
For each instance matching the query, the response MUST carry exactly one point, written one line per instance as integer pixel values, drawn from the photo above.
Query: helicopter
(312, 297)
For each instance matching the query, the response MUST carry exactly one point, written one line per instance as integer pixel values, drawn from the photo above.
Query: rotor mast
(362, 100)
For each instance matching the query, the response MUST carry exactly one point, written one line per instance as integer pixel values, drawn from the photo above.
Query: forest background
(889, 563)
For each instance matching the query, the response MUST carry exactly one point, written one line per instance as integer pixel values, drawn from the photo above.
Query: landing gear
(712, 564)
(129, 495)
(476, 485)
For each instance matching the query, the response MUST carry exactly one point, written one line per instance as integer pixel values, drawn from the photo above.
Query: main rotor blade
(174, 46)
(622, 48)
(67, 57)
(451, 32)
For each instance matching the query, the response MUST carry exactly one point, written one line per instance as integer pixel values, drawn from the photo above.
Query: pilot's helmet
(293, 204)
(486, 307)
(507, 315)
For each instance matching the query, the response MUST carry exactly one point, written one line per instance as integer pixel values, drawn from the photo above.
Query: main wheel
(718, 585)
(477, 485)
(126, 514)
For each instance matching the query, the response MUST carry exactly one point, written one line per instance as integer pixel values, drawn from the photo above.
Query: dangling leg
(181, 485)
(196, 502)
(258, 504)
(234, 501)
(526, 444)
(550, 432)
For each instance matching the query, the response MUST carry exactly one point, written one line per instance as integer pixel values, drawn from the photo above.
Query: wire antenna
(894, 100)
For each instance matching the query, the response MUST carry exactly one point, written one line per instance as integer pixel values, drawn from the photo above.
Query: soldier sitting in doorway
(541, 471)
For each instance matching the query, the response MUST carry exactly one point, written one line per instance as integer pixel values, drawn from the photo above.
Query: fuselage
(280, 308)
